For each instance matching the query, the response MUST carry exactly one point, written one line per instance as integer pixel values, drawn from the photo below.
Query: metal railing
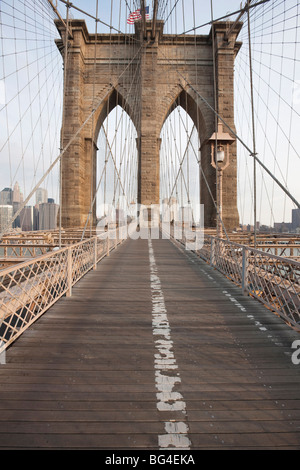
(273, 280)
(30, 288)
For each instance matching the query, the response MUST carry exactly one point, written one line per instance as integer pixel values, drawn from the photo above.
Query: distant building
(16, 206)
(48, 216)
(41, 196)
(295, 219)
(16, 196)
(29, 219)
(6, 213)
(265, 228)
(282, 227)
(6, 197)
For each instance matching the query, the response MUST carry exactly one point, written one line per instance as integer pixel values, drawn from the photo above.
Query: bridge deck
(154, 349)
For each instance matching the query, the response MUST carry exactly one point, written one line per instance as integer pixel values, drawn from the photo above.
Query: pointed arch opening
(179, 166)
(117, 163)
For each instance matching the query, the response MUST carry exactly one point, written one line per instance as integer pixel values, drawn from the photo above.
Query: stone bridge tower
(172, 71)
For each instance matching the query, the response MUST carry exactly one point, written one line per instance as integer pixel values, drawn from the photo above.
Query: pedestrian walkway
(154, 350)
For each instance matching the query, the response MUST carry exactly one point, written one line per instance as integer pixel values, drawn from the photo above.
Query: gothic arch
(193, 106)
(203, 120)
(112, 100)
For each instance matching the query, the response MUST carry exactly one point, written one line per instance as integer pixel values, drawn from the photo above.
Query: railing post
(107, 243)
(95, 254)
(212, 251)
(245, 271)
(69, 273)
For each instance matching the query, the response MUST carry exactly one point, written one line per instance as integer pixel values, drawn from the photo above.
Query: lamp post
(220, 142)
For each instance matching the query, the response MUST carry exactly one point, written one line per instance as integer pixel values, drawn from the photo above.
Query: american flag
(136, 15)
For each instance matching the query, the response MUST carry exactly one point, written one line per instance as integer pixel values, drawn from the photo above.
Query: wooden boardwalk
(154, 350)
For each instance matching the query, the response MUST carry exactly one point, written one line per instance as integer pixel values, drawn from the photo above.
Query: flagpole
(154, 18)
(143, 13)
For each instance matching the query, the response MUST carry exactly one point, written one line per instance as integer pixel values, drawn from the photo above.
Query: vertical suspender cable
(63, 120)
(253, 126)
(218, 195)
(93, 169)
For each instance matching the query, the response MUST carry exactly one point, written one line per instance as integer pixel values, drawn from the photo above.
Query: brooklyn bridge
(150, 225)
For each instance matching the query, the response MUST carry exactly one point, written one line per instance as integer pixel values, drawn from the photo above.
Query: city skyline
(48, 219)
(40, 216)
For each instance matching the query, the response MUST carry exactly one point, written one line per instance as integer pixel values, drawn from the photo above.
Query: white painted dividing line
(166, 368)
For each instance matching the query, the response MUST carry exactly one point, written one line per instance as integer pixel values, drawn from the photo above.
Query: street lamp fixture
(220, 142)
(220, 154)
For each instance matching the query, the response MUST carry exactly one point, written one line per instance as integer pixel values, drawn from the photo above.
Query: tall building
(6, 213)
(29, 219)
(41, 196)
(48, 216)
(6, 197)
(16, 193)
(295, 219)
(16, 206)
